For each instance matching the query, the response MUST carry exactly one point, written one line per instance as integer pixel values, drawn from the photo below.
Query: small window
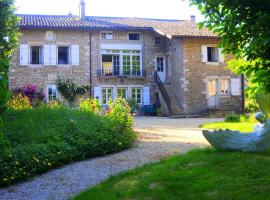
(122, 92)
(160, 64)
(158, 41)
(212, 54)
(134, 36)
(107, 36)
(63, 55)
(136, 95)
(52, 93)
(36, 55)
(106, 95)
(224, 86)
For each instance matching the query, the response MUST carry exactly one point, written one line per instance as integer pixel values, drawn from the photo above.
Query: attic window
(134, 36)
(158, 41)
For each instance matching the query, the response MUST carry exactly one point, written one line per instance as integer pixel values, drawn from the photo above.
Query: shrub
(35, 96)
(120, 112)
(232, 118)
(132, 104)
(54, 104)
(19, 102)
(36, 140)
(69, 90)
(90, 105)
(251, 106)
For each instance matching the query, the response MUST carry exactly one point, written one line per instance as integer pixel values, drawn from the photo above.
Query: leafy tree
(8, 41)
(70, 91)
(244, 29)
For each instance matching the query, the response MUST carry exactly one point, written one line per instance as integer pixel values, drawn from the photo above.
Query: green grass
(236, 126)
(198, 175)
(34, 141)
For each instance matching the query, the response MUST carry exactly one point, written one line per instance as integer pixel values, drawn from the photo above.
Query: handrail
(112, 73)
(163, 91)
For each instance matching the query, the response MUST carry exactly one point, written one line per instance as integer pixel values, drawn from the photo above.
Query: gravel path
(159, 138)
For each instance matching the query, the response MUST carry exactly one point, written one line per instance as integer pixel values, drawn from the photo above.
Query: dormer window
(134, 36)
(107, 35)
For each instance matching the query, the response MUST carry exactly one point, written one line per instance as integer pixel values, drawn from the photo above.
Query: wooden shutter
(53, 54)
(146, 95)
(47, 54)
(24, 54)
(220, 55)
(75, 55)
(204, 53)
(97, 93)
(236, 86)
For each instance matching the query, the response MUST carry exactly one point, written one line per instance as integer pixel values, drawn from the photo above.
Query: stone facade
(186, 75)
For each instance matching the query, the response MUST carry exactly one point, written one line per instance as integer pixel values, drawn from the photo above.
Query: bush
(251, 106)
(232, 118)
(120, 112)
(35, 96)
(34, 141)
(90, 105)
(19, 102)
(132, 104)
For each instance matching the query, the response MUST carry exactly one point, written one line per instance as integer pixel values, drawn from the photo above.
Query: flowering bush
(120, 112)
(19, 102)
(54, 104)
(91, 105)
(35, 96)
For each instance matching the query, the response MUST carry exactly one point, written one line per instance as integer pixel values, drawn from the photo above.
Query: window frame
(122, 88)
(229, 86)
(68, 54)
(160, 40)
(107, 97)
(106, 34)
(56, 91)
(136, 94)
(40, 56)
(216, 60)
(139, 34)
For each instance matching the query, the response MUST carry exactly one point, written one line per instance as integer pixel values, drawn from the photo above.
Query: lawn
(200, 174)
(237, 126)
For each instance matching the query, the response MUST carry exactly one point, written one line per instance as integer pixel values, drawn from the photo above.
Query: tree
(8, 41)
(244, 29)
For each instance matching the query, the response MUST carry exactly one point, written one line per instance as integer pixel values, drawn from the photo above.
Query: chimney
(82, 9)
(193, 18)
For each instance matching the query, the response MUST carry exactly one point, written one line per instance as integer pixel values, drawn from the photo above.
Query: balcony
(121, 73)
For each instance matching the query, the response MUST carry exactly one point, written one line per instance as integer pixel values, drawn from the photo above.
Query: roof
(169, 28)
(70, 22)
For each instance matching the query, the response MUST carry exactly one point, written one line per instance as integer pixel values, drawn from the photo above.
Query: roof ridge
(145, 18)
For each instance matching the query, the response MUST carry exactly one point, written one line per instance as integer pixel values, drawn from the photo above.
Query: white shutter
(204, 53)
(220, 55)
(97, 93)
(24, 54)
(75, 55)
(53, 55)
(47, 54)
(236, 86)
(146, 96)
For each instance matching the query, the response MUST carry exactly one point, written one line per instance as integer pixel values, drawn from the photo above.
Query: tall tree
(8, 41)
(244, 28)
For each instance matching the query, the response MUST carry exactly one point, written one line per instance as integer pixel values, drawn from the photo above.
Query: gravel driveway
(159, 138)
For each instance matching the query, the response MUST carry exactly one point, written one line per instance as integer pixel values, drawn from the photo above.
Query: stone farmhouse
(171, 63)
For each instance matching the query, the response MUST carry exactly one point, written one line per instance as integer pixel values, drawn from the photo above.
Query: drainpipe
(243, 93)
(90, 63)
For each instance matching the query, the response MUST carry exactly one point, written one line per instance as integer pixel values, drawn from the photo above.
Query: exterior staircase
(170, 103)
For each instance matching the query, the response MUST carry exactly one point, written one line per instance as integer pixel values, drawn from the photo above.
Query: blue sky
(166, 9)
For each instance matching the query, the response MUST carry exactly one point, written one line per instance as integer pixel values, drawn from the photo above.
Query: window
(134, 36)
(122, 92)
(160, 64)
(36, 55)
(107, 36)
(136, 65)
(212, 87)
(63, 55)
(158, 41)
(136, 95)
(52, 93)
(212, 54)
(224, 86)
(126, 64)
(106, 95)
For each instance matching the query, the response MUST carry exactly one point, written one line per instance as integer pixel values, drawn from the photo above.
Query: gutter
(90, 64)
